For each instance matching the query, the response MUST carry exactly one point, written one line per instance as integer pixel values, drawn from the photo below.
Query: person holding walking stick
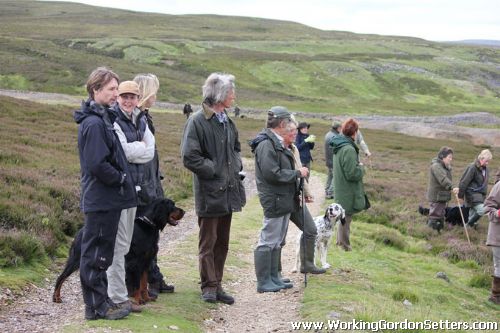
(277, 185)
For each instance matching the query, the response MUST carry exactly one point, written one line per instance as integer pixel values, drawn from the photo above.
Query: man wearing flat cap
(277, 183)
(333, 132)
(305, 143)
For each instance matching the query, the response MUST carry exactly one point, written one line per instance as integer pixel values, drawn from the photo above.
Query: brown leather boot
(495, 290)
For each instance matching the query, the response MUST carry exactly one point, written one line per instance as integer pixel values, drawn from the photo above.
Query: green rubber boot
(262, 259)
(275, 260)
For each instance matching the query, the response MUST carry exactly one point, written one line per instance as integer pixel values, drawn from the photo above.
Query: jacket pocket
(474, 197)
(359, 203)
(214, 195)
(443, 196)
(147, 193)
(283, 204)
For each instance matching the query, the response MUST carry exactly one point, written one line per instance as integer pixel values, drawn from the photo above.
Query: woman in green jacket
(348, 178)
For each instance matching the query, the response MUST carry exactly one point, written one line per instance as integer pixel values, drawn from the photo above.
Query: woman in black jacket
(473, 186)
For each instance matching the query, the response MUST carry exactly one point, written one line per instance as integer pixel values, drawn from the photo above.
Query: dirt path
(266, 312)
(34, 310)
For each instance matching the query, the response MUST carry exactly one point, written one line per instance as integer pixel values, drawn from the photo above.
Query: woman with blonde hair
(473, 186)
(148, 88)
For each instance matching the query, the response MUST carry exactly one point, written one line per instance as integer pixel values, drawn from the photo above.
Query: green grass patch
(480, 281)
(371, 282)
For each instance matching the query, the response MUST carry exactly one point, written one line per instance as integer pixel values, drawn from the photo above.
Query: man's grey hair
(217, 88)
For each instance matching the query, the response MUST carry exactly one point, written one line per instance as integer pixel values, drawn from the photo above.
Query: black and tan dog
(143, 249)
(451, 215)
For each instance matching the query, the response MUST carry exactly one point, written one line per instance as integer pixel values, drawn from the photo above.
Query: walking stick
(303, 241)
(462, 215)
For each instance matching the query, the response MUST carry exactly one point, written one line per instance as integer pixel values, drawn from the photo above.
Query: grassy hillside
(52, 47)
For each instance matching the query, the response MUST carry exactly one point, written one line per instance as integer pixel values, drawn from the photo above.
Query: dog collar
(146, 220)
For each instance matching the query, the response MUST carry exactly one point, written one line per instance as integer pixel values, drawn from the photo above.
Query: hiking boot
(154, 290)
(224, 297)
(112, 313)
(209, 295)
(436, 224)
(495, 290)
(130, 306)
(166, 288)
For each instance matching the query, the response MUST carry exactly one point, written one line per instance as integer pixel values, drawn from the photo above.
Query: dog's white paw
(326, 266)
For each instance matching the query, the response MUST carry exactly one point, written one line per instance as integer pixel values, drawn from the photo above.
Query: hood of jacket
(91, 108)
(340, 141)
(263, 135)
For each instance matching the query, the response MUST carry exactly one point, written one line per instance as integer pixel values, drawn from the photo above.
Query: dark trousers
(98, 243)
(343, 233)
(154, 274)
(213, 244)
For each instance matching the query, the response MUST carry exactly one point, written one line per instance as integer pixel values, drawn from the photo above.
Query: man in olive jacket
(277, 184)
(473, 186)
(440, 185)
(211, 150)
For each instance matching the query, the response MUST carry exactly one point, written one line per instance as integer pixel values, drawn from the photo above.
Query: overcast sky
(438, 20)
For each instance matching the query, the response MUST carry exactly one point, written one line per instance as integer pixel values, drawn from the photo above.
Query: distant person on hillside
(492, 209)
(211, 150)
(334, 131)
(473, 186)
(138, 143)
(187, 110)
(305, 143)
(106, 189)
(236, 111)
(148, 88)
(348, 179)
(440, 185)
